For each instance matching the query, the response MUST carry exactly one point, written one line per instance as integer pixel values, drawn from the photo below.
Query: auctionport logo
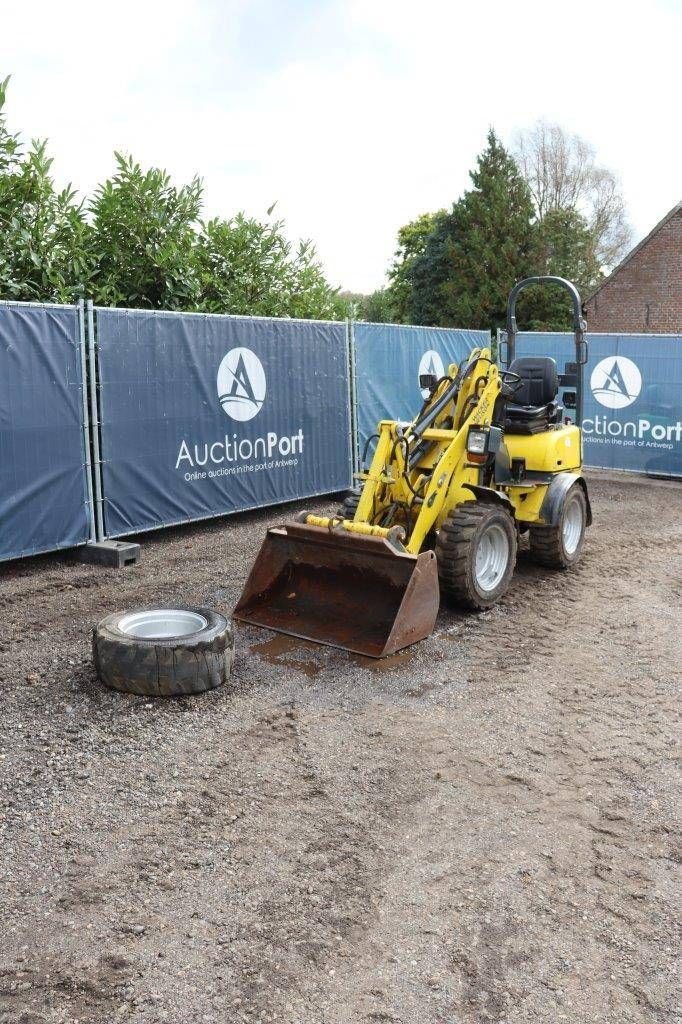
(241, 384)
(431, 362)
(616, 382)
(241, 392)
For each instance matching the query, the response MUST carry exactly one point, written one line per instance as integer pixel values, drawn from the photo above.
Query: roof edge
(677, 208)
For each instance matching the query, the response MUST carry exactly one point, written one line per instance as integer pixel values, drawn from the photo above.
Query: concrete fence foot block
(114, 553)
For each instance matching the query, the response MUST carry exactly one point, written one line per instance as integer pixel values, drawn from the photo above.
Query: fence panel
(632, 416)
(45, 502)
(203, 415)
(388, 361)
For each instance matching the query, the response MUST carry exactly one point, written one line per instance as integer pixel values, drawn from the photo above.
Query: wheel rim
(492, 557)
(572, 529)
(162, 623)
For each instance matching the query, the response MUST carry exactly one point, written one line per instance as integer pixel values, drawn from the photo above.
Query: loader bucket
(340, 588)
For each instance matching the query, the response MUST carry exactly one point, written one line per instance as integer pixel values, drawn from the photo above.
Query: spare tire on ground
(163, 652)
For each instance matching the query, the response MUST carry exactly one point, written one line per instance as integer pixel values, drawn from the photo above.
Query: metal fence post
(353, 398)
(86, 417)
(95, 422)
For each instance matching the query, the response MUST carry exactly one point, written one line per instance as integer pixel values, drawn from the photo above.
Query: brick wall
(645, 293)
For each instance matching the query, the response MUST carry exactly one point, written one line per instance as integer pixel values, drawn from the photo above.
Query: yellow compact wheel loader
(490, 455)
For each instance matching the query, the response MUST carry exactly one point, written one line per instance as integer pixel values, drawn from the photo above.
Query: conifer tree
(477, 252)
(564, 246)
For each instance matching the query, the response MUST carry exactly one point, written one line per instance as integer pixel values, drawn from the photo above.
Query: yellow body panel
(552, 451)
(527, 502)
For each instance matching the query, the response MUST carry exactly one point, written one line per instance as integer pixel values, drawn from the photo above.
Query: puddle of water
(391, 664)
(282, 650)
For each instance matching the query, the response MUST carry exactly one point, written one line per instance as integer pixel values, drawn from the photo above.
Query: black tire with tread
(164, 667)
(547, 542)
(455, 553)
(350, 506)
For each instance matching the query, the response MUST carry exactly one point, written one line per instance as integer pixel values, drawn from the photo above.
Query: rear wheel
(560, 546)
(476, 553)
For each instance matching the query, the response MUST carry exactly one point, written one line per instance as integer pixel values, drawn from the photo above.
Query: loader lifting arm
(415, 471)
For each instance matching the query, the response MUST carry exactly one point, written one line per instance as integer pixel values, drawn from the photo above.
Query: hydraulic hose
(430, 415)
(402, 440)
(372, 437)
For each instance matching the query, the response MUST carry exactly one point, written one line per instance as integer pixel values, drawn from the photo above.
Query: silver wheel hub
(162, 623)
(572, 529)
(492, 557)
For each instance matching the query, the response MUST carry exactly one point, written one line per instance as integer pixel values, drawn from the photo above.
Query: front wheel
(560, 546)
(476, 554)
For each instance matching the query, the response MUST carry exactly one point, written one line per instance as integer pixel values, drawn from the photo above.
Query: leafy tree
(475, 253)
(10, 147)
(562, 174)
(379, 307)
(428, 276)
(43, 233)
(142, 244)
(249, 266)
(374, 308)
(412, 239)
(143, 239)
(564, 246)
(351, 304)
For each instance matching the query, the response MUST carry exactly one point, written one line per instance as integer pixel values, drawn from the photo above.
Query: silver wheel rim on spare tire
(492, 557)
(161, 623)
(572, 529)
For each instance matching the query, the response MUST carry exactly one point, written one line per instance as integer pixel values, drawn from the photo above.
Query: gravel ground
(479, 830)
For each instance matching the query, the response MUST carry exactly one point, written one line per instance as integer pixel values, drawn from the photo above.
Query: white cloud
(356, 116)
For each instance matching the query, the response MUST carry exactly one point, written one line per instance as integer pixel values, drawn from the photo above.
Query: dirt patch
(481, 829)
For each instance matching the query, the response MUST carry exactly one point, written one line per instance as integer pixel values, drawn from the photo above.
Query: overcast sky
(355, 115)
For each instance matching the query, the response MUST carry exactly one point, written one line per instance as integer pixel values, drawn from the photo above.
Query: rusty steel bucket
(340, 588)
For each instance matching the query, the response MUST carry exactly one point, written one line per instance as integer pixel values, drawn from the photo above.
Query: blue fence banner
(389, 359)
(44, 485)
(632, 416)
(207, 414)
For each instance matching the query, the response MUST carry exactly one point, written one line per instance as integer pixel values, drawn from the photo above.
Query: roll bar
(579, 329)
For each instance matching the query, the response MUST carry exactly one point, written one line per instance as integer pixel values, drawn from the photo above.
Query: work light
(477, 441)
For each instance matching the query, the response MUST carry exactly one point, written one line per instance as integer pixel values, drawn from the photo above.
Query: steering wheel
(511, 382)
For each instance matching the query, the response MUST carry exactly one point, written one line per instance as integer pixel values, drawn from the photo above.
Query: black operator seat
(533, 406)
